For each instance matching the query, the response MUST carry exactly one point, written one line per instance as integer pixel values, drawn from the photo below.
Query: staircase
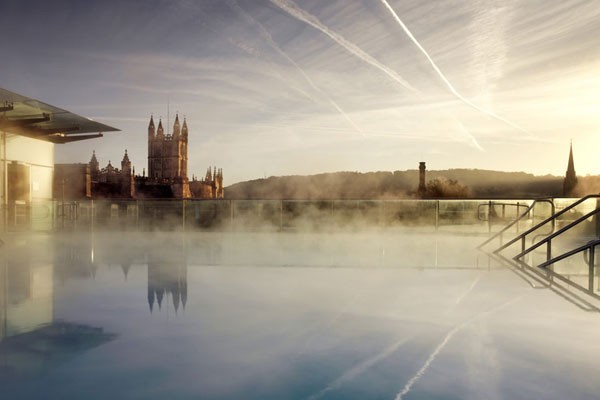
(538, 241)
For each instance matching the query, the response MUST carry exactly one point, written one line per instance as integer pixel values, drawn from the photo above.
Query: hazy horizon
(281, 87)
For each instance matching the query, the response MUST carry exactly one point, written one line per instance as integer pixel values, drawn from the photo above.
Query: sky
(286, 87)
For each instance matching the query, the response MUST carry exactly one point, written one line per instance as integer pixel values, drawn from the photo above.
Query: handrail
(548, 239)
(493, 203)
(510, 225)
(591, 246)
(588, 245)
(550, 284)
(552, 218)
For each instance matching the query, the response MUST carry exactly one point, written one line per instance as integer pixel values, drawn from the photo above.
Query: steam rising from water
(253, 299)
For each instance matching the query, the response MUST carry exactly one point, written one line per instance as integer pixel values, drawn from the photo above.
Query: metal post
(231, 214)
(523, 244)
(281, 215)
(5, 183)
(76, 211)
(490, 217)
(437, 214)
(62, 207)
(591, 263)
(549, 250)
(518, 213)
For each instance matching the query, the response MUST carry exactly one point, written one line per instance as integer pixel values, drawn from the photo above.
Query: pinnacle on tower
(184, 128)
(151, 130)
(125, 163)
(176, 129)
(160, 131)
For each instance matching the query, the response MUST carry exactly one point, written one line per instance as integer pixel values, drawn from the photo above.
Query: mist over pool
(376, 313)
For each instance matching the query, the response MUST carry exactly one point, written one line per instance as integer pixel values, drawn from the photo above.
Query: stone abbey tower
(168, 156)
(168, 164)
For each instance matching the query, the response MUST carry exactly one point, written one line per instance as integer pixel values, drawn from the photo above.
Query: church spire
(571, 177)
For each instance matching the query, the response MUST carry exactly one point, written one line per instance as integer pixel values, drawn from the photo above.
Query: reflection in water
(46, 347)
(26, 290)
(31, 340)
(165, 256)
(167, 274)
(281, 316)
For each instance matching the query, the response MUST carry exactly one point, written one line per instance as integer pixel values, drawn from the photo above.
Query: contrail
(269, 39)
(443, 77)
(460, 298)
(360, 368)
(443, 344)
(298, 13)
(425, 366)
(301, 15)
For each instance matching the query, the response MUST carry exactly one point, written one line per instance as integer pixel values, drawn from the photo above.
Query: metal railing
(516, 221)
(552, 219)
(456, 215)
(548, 239)
(591, 261)
(492, 215)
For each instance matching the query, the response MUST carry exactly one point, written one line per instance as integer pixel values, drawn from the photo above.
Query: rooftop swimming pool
(373, 314)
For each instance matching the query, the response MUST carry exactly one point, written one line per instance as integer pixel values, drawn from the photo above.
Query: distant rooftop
(30, 117)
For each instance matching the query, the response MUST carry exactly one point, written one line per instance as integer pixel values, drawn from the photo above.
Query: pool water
(371, 315)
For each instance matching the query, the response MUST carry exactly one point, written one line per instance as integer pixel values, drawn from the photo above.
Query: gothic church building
(167, 173)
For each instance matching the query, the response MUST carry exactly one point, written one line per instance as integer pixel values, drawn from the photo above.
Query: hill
(403, 184)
